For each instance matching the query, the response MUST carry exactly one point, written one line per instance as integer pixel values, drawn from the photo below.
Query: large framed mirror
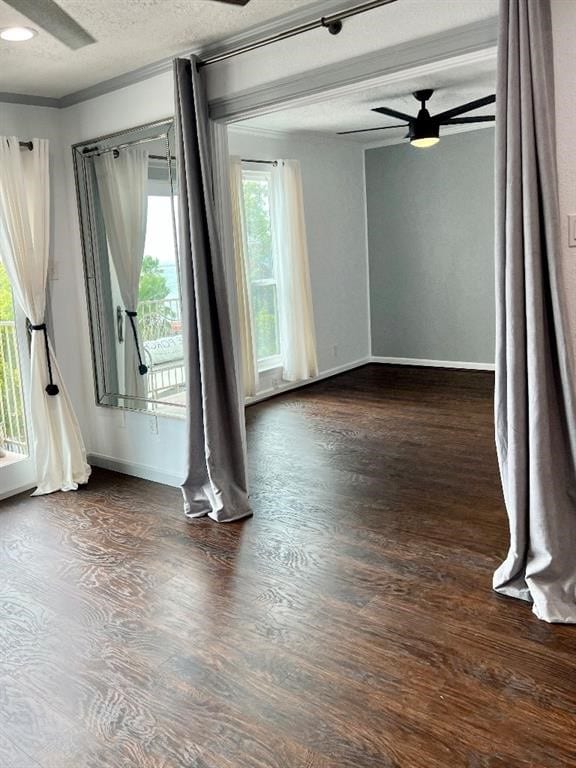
(126, 187)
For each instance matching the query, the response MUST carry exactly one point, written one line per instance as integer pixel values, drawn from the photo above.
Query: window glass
(12, 414)
(262, 268)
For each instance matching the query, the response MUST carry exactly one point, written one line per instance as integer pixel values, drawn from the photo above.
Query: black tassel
(142, 369)
(51, 388)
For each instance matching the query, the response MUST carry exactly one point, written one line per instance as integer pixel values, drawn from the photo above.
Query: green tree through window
(261, 266)
(6, 307)
(12, 417)
(153, 284)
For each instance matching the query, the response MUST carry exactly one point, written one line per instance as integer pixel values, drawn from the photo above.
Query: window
(262, 267)
(13, 439)
(275, 316)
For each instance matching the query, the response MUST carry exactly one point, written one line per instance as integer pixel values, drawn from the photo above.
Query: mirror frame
(89, 233)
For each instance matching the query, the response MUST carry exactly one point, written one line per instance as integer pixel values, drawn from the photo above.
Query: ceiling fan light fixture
(424, 129)
(17, 34)
(424, 133)
(425, 141)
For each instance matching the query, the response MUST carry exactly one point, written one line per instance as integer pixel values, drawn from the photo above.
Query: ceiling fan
(424, 128)
(50, 17)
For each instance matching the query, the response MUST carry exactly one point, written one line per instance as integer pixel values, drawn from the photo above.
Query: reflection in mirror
(126, 195)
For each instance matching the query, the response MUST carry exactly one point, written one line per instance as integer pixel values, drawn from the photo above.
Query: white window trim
(21, 474)
(272, 362)
(269, 363)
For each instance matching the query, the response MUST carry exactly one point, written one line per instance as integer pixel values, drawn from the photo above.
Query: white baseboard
(16, 491)
(433, 363)
(145, 471)
(298, 384)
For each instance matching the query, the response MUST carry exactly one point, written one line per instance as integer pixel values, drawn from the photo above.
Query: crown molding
(309, 136)
(29, 101)
(273, 26)
(116, 83)
(465, 44)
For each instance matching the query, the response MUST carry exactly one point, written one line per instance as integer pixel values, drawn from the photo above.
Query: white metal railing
(12, 414)
(160, 318)
(159, 325)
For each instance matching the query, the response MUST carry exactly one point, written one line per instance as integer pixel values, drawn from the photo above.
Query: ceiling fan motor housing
(423, 127)
(423, 95)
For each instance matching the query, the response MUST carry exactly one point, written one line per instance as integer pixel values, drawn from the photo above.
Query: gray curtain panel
(216, 481)
(535, 413)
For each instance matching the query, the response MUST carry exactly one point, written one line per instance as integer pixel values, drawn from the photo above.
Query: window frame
(20, 475)
(255, 172)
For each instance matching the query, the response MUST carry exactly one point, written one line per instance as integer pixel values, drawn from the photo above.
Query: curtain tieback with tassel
(142, 369)
(51, 388)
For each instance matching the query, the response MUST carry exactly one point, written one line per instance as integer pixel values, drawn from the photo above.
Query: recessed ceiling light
(17, 34)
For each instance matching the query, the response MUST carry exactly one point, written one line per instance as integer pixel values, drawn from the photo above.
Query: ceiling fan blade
(233, 2)
(394, 113)
(367, 130)
(465, 108)
(461, 120)
(55, 21)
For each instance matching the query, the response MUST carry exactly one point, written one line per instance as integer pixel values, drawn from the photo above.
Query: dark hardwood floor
(349, 623)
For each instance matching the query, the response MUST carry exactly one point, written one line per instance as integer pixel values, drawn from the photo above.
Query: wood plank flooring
(349, 623)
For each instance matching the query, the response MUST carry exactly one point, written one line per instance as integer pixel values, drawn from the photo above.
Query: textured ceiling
(129, 33)
(352, 111)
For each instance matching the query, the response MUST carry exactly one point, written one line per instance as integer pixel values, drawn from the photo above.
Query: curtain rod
(94, 152)
(161, 157)
(26, 145)
(97, 151)
(264, 162)
(333, 24)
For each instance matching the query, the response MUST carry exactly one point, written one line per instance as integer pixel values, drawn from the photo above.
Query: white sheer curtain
(24, 249)
(298, 339)
(247, 348)
(123, 187)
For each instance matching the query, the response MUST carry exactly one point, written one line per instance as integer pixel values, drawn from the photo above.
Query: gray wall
(430, 237)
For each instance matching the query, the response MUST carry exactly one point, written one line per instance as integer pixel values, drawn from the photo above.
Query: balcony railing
(160, 328)
(159, 319)
(12, 414)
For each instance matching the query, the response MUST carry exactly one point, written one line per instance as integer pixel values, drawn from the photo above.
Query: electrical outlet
(572, 230)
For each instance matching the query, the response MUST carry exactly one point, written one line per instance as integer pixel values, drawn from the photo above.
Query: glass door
(16, 462)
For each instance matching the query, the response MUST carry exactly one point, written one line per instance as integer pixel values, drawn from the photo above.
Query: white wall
(332, 182)
(23, 121)
(563, 25)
